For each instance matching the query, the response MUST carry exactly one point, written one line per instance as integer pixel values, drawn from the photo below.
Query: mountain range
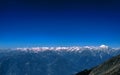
(53, 60)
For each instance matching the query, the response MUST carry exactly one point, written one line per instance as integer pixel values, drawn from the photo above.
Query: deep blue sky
(59, 23)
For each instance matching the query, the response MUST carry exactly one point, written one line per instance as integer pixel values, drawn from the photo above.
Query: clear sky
(59, 23)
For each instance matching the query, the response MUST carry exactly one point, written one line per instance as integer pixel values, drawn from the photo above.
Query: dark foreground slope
(85, 72)
(110, 67)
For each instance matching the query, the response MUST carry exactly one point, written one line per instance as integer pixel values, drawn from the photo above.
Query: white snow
(71, 48)
(104, 47)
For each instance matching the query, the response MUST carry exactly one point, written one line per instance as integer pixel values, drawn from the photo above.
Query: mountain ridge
(67, 48)
(109, 67)
(52, 62)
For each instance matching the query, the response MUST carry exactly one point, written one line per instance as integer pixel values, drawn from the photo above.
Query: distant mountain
(110, 67)
(53, 60)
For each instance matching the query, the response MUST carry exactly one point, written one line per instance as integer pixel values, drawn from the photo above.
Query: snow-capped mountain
(73, 48)
(53, 60)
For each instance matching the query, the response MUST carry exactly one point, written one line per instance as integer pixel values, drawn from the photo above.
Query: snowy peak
(104, 47)
(71, 48)
(50, 48)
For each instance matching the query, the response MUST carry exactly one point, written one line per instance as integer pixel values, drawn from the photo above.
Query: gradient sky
(59, 23)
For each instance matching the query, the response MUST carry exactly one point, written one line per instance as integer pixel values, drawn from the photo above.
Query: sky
(59, 23)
